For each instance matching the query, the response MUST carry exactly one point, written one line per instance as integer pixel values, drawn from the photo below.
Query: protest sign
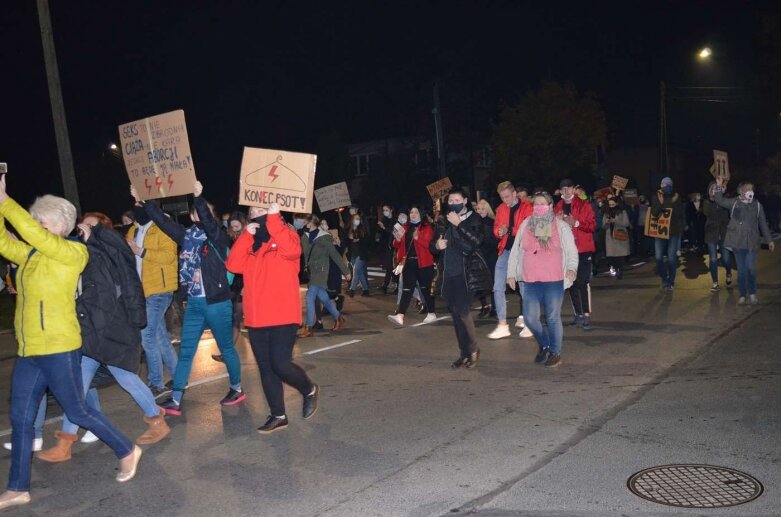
(439, 188)
(658, 227)
(603, 193)
(3, 168)
(282, 177)
(630, 197)
(333, 196)
(720, 168)
(157, 155)
(619, 183)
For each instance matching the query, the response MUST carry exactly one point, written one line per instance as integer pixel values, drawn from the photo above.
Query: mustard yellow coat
(49, 267)
(160, 261)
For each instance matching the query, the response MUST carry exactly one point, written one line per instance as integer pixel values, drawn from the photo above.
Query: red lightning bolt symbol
(273, 173)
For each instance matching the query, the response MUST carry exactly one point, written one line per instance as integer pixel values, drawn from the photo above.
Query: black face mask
(456, 207)
(141, 216)
(261, 234)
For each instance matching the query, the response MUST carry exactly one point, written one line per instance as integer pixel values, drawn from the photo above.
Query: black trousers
(413, 275)
(273, 350)
(578, 293)
(387, 264)
(459, 300)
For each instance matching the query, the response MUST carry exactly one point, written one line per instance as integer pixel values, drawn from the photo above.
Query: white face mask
(356, 222)
(568, 198)
(402, 219)
(748, 196)
(414, 219)
(386, 213)
(353, 211)
(324, 226)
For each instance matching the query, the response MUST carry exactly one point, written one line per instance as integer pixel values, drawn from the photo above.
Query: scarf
(190, 257)
(261, 234)
(540, 227)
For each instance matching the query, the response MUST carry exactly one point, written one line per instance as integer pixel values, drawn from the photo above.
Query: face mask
(261, 234)
(748, 196)
(225, 224)
(568, 198)
(324, 226)
(402, 219)
(667, 189)
(456, 207)
(414, 219)
(356, 223)
(298, 224)
(353, 211)
(541, 210)
(141, 216)
(386, 213)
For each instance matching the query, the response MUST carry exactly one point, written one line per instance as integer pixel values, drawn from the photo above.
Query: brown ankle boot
(158, 429)
(306, 332)
(338, 324)
(62, 450)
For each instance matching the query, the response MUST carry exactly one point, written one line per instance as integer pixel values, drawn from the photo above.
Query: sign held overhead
(720, 168)
(439, 188)
(333, 196)
(273, 176)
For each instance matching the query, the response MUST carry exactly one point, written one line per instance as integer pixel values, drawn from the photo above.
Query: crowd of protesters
(244, 271)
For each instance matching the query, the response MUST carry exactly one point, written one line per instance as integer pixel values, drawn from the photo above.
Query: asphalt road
(682, 377)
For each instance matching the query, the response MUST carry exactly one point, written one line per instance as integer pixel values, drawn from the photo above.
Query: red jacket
(271, 292)
(425, 234)
(503, 219)
(584, 215)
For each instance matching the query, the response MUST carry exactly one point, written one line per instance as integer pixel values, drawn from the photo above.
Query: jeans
(91, 399)
(313, 293)
(360, 274)
(459, 300)
(713, 248)
(157, 345)
(415, 293)
(747, 271)
(545, 296)
(580, 292)
(500, 285)
(669, 247)
(197, 317)
(61, 373)
(273, 350)
(129, 381)
(412, 276)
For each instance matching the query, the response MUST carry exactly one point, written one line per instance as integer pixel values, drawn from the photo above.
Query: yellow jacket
(49, 269)
(160, 261)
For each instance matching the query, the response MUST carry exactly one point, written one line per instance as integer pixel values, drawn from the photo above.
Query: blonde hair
(56, 209)
(504, 186)
(485, 204)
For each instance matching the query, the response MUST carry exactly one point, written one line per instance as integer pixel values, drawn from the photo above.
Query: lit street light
(113, 147)
(705, 53)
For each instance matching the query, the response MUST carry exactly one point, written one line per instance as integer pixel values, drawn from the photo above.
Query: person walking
(236, 223)
(156, 265)
(545, 260)
(359, 239)
(464, 272)
(267, 254)
(746, 230)
(48, 335)
(664, 200)
(204, 246)
(319, 252)
(716, 221)
(385, 245)
(488, 250)
(110, 328)
(412, 245)
(617, 234)
(580, 217)
(509, 216)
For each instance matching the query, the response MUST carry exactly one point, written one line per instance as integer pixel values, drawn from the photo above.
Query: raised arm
(288, 242)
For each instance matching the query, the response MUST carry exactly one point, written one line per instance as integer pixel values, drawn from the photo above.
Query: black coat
(111, 304)
(466, 239)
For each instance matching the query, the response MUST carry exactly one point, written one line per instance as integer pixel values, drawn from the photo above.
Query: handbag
(620, 234)
(400, 267)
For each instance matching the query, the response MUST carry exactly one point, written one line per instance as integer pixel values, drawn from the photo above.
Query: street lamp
(704, 54)
(113, 147)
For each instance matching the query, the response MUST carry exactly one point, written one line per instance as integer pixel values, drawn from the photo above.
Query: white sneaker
(753, 299)
(397, 319)
(519, 324)
(89, 438)
(526, 332)
(430, 317)
(500, 331)
(37, 445)
(742, 300)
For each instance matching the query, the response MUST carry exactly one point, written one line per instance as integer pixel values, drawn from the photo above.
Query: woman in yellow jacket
(48, 334)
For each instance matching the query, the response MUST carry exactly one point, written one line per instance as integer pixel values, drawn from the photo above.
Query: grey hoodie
(747, 221)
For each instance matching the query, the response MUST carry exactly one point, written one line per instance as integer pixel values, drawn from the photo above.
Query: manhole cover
(695, 486)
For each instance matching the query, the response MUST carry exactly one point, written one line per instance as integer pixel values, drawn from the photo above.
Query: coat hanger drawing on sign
(282, 177)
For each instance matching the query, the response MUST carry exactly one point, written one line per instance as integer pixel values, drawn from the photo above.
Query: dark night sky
(278, 74)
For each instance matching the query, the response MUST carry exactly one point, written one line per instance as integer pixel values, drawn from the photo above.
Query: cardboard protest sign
(720, 167)
(658, 227)
(439, 188)
(603, 193)
(333, 196)
(619, 183)
(3, 168)
(630, 197)
(157, 155)
(282, 177)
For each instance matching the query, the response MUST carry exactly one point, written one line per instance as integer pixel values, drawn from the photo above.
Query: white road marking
(430, 322)
(338, 345)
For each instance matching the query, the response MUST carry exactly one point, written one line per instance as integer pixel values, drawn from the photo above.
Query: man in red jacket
(268, 255)
(509, 216)
(580, 217)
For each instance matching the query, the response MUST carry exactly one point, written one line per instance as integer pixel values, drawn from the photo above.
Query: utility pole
(58, 106)
(437, 112)
(664, 159)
